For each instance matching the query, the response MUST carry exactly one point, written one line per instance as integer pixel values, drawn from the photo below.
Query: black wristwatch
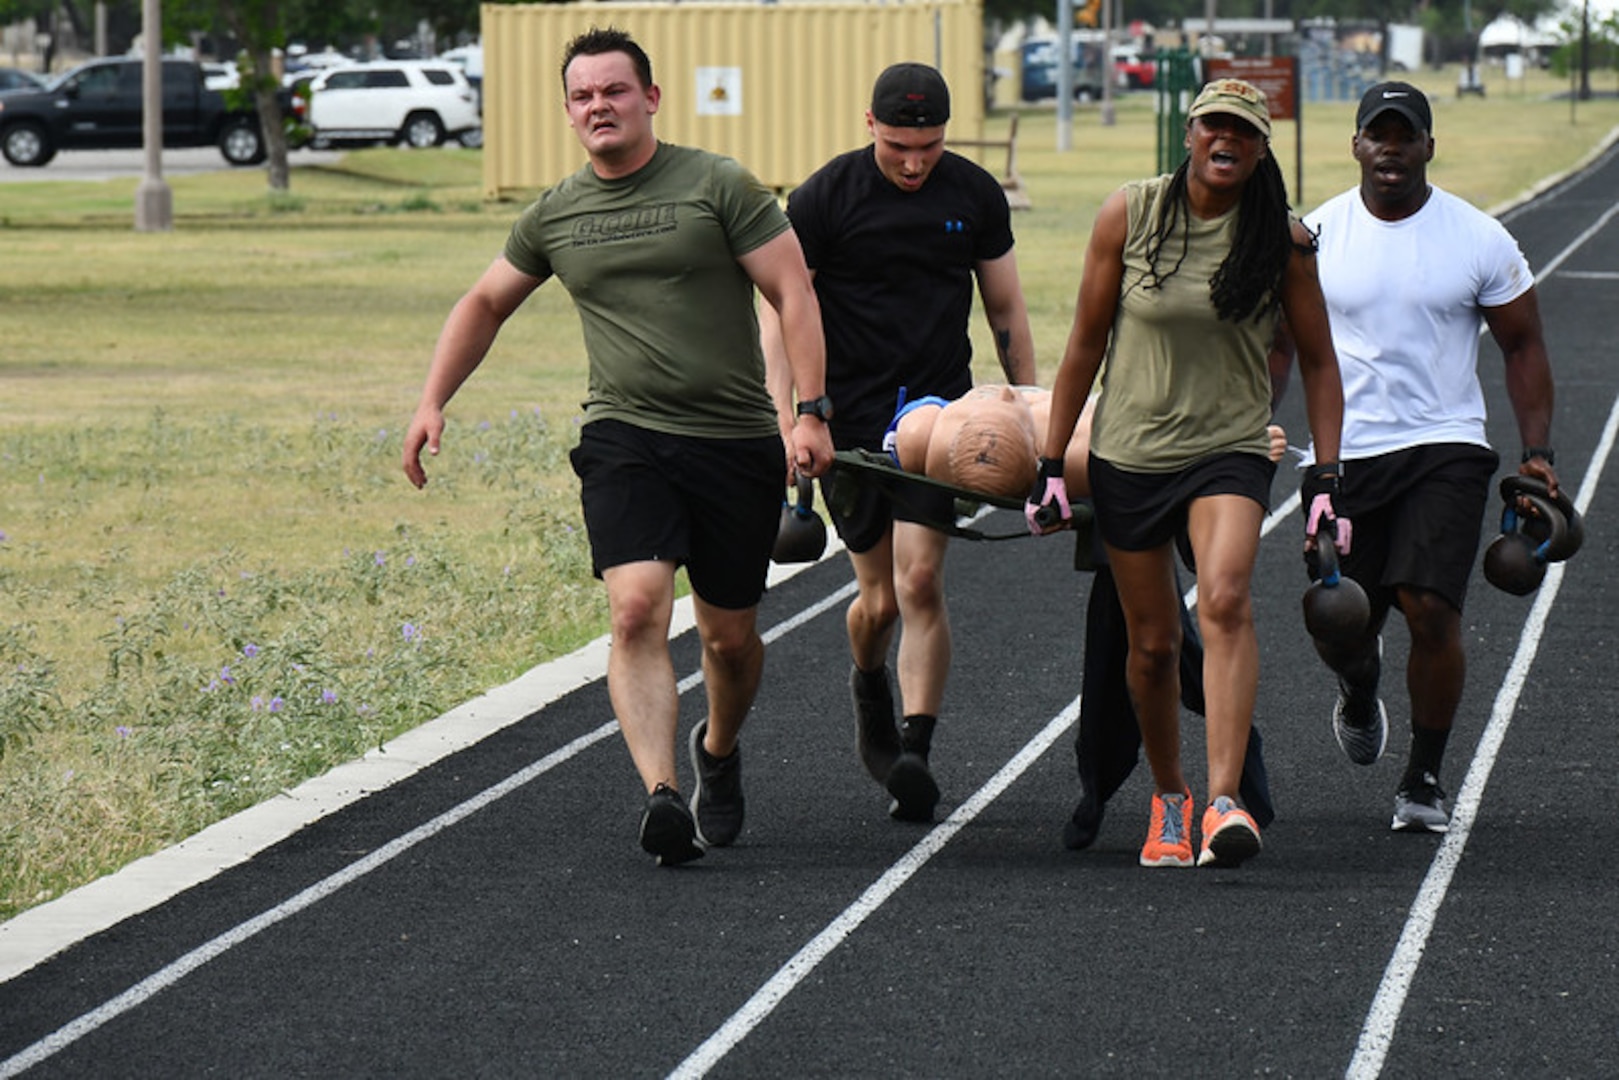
(820, 407)
(1545, 452)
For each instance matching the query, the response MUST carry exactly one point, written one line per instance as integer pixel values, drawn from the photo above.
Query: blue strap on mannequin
(891, 436)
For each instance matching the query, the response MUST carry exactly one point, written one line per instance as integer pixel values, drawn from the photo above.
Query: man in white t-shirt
(1411, 274)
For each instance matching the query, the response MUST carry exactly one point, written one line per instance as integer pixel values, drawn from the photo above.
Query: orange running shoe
(1169, 837)
(1230, 837)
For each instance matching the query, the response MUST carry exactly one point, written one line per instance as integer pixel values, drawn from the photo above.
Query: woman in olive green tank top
(1188, 280)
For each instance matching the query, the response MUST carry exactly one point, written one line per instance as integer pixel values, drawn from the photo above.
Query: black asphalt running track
(491, 914)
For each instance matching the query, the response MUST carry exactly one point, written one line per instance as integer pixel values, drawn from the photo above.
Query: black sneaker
(717, 801)
(1420, 807)
(910, 782)
(914, 790)
(876, 736)
(1080, 831)
(667, 829)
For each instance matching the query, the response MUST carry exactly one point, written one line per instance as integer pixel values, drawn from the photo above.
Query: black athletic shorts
(712, 505)
(1138, 511)
(862, 512)
(1415, 516)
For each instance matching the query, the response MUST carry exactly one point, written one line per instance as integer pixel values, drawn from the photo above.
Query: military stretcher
(876, 469)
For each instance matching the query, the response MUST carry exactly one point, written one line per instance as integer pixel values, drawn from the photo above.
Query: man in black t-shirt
(896, 235)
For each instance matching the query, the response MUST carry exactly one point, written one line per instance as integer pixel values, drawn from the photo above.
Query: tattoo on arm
(1003, 345)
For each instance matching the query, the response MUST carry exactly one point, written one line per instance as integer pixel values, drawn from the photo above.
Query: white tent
(1509, 34)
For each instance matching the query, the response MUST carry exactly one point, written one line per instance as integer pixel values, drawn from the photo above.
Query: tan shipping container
(781, 87)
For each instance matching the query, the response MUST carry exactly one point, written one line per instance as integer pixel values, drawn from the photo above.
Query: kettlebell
(1515, 562)
(801, 534)
(1552, 521)
(1510, 564)
(1336, 610)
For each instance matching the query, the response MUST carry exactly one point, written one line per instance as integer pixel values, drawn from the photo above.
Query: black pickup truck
(98, 106)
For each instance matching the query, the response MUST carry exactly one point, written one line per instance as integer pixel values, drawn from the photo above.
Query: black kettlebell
(801, 534)
(1551, 531)
(1552, 521)
(1336, 610)
(1510, 564)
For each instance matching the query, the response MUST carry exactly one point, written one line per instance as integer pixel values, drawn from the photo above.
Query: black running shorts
(1415, 516)
(863, 512)
(1138, 511)
(712, 505)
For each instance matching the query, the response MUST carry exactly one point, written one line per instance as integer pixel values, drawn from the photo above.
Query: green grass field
(215, 582)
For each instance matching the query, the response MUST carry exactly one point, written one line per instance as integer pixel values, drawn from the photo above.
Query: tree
(260, 28)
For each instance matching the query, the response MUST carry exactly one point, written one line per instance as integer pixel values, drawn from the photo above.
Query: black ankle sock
(1363, 676)
(872, 683)
(1427, 754)
(916, 733)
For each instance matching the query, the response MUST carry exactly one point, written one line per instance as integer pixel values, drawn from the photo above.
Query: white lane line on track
(1577, 243)
(42, 931)
(1377, 1034)
(172, 973)
(764, 1000)
(789, 975)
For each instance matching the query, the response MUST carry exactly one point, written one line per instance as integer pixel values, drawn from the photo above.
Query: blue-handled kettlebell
(1551, 531)
(1336, 610)
(801, 534)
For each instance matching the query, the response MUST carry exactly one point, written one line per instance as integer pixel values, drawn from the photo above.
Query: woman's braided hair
(1249, 280)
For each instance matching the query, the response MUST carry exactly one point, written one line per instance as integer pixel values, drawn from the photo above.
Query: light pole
(1472, 47)
(1107, 116)
(1585, 52)
(154, 202)
(1065, 76)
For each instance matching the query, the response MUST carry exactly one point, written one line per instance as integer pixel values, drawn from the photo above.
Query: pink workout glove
(1047, 504)
(1330, 476)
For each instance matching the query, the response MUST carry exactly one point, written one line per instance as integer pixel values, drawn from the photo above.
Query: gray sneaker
(1420, 807)
(1361, 725)
(716, 800)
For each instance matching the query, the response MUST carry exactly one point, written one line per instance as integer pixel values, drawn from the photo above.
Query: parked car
(221, 75)
(99, 105)
(470, 57)
(1132, 70)
(418, 103)
(17, 79)
(1040, 70)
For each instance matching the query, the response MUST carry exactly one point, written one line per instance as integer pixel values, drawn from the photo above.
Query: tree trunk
(267, 101)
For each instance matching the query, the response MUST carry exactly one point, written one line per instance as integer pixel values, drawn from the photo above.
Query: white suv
(416, 102)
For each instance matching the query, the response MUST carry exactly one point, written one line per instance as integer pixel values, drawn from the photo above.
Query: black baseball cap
(910, 95)
(1402, 98)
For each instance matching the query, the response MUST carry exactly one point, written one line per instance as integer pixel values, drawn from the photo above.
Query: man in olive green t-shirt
(681, 458)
